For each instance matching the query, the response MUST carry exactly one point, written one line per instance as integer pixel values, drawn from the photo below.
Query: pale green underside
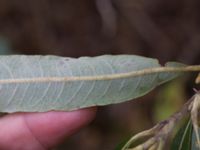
(71, 95)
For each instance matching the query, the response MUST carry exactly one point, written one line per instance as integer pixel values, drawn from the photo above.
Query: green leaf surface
(183, 138)
(121, 145)
(43, 83)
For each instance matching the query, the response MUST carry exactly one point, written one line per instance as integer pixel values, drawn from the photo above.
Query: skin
(41, 131)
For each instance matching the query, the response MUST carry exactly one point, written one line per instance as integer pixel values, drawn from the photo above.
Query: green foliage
(43, 83)
(183, 139)
(171, 94)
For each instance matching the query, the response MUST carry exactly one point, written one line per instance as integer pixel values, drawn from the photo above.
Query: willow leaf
(43, 83)
(183, 139)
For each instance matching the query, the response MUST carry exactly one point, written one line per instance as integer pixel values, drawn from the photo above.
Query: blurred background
(167, 30)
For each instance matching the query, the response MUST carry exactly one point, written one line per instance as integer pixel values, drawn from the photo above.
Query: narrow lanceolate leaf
(43, 83)
(183, 139)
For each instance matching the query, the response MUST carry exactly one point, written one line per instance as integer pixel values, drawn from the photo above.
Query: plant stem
(161, 131)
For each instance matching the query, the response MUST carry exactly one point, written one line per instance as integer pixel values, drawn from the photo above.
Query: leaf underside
(73, 94)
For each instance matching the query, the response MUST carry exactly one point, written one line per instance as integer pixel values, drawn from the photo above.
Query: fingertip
(51, 127)
(41, 130)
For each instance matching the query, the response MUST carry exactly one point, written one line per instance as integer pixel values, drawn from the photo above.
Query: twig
(161, 131)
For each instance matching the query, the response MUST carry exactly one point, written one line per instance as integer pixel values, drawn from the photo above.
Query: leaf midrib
(102, 77)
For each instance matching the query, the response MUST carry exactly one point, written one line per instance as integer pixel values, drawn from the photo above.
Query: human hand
(41, 131)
